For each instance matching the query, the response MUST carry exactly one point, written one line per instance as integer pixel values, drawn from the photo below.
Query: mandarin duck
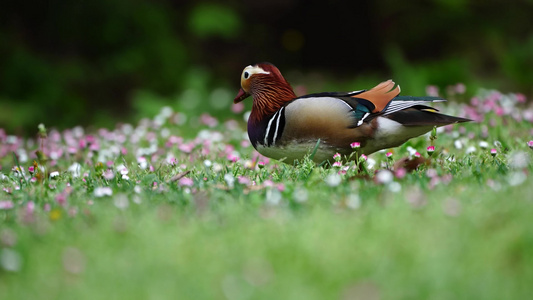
(285, 127)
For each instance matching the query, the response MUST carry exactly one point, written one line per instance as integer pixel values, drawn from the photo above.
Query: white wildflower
(300, 195)
(412, 151)
(11, 139)
(166, 112)
(370, 163)
(165, 133)
(394, 187)
(273, 197)
(102, 191)
(22, 154)
(230, 180)
(143, 163)
(121, 201)
(136, 199)
(137, 189)
(384, 176)
(333, 179)
(217, 167)
(353, 201)
(10, 260)
(516, 178)
(518, 160)
(75, 169)
(122, 169)
(248, 164)
(470, 149)
(78, 132)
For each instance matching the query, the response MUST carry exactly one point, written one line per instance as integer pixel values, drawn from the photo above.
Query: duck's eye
(246, 75)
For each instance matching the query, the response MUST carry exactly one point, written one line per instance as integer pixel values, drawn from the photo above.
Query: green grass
(452, 229)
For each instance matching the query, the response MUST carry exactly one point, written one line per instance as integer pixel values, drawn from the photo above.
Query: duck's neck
(269, 98)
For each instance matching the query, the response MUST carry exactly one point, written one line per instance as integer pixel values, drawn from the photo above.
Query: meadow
(180, 206)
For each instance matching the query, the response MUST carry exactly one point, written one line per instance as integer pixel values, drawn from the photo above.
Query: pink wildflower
(90, 139)
(493, 152)
(364, 157)
(389, 154)
(520, 98)
(108, 174)
(530, 144)
(175, 139)
(417, 154)
(243, 180)
(237, 108)
(337, 157)
(6, 204)
(232, 157)
(208, 120)
(499, 111)
(187, 148)
(268, 183)
(355, 145)
(460, 88)
(185, 181)
(337, 164)
(172, 160)
(94, 147)
(82, 144)
(30, 207)
(245, 143)
(400, 173)
(232, 124)
(432, 90)
(430, 150)
(61, 198)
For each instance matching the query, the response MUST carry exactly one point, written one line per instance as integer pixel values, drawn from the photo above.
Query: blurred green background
(99, 62)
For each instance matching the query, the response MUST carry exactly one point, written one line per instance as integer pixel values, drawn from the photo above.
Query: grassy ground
(186, 209)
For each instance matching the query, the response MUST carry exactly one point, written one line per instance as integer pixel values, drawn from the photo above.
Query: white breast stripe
(277, 126)
(265, 141)
(362, 119)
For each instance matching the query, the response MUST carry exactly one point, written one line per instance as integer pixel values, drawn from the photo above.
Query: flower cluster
(172, 152)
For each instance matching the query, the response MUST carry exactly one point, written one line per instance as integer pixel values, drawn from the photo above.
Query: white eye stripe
(253, 70)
